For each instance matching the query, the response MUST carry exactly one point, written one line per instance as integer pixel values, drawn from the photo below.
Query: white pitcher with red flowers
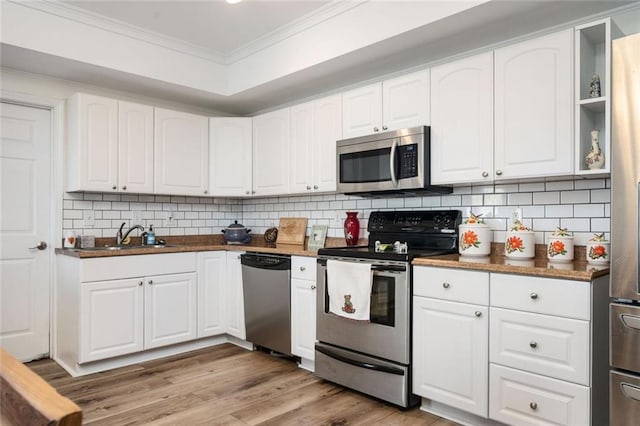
(520, 243)
(560, 247)
(475, 237)
(598, 249)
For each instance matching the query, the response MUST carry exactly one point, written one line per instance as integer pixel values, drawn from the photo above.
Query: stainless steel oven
(625, 233)
(374, 356)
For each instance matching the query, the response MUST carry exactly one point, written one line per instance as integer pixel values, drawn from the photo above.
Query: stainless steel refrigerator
(625, 235)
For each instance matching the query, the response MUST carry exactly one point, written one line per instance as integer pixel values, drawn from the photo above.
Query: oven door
(386, 335)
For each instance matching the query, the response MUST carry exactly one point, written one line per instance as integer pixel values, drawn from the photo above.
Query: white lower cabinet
(124, 316)
(212, 281)
(303, 307)
(235, 297)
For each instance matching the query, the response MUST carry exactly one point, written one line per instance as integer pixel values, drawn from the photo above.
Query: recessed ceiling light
(233, 1)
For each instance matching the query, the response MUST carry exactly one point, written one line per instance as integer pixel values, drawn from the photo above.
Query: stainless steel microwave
(389, 162)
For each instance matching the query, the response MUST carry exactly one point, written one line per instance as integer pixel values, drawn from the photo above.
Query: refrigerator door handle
(630, 321)
(630, 391)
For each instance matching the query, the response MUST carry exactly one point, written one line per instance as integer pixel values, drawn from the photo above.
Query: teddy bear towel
(349, 287)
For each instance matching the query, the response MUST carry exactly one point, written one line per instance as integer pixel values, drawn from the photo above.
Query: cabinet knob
(533, 345)
(375, 129)
(308, 187)
(384, 127)
(253, 192)
(313, 286)
(499, 172)
(446, 285)
(124, 188)
(534, 296)
(247, 192)
(485, 174)
(114, 187)
(533, 406)
(478, 314)
(206, 192)
(140, 283)
(315, 186)
(150, 282)
(302, 268)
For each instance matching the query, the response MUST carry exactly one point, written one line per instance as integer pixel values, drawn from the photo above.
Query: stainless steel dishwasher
(266, 284)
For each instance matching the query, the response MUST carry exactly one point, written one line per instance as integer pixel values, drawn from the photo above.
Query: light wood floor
(223, 385)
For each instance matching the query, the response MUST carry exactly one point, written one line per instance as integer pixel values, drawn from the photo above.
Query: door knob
(41, 246)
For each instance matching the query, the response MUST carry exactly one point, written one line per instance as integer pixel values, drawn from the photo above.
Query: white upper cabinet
(230, 165)
(390, 105)
(135, 148)
(533, 108)
(271, 153)
(315, 128)
(462, 121)
(181, 153)
(92, 143)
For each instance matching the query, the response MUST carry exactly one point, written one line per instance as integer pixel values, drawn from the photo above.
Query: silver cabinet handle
(446, 285)
(534, 296)
(499, 172)
(533, 406)
(114, 187)
(313, 287)
(485, 174)
(315, 186)
(478, 314)
(308, 187)
(150, 282)
(140, 282)
(124, 188)
(392, 163)
(375, 129)
(302, 268)
(384, 127)
(40, 246)
(533, 345)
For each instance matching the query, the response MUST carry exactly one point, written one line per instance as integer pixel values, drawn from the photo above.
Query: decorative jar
(351, 228)
(475, 237)
(520, 243)
(560, 247)
(598, 250)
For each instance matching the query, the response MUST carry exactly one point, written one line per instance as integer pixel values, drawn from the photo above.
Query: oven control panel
(414, 221)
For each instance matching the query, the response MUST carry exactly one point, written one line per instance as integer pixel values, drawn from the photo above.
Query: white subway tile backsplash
(601, 225)
(574, 197)
(520, 199)
(495, 199)
(505, 188)
(560, 185)
(600, 195)
(92, 196)
(413, 202)
(576, 225)
(82, 205)
(589, 184)
(545, 224)
(588, 210)
(533, 211)
(558, 211)
(546, 198)
(531, 187)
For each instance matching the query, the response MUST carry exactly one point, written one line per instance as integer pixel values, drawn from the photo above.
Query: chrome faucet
(120, 237)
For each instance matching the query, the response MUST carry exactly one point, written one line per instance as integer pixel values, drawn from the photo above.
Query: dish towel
(349, 287)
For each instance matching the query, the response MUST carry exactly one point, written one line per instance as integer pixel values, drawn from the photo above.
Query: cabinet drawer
(303, 268)
(520, 398)
(451, 284)
(564, 298)
(552, 346)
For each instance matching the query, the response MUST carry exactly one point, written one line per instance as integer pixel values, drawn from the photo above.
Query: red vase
(351, 228)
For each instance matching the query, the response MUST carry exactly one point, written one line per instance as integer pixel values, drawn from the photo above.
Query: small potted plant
(598, 249)
(560, 247)
(475, 237)
(520, 243)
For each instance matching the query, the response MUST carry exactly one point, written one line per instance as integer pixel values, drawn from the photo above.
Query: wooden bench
(26, 399)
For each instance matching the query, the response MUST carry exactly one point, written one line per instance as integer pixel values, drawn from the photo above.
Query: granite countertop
(539, 266)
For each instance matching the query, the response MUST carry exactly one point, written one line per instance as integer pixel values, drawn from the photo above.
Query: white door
(135, 148)
(301, 143)
(271, 153)
(303, 318)
(25, 211)
(405, 101)
(235, 297)
(230, 165)
(212, 275)
(362, 111)
(327, 130)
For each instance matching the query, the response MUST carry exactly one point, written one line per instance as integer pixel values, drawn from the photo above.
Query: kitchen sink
(129, 247)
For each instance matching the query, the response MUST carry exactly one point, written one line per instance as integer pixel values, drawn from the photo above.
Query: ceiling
(214, 25)
(226, 34)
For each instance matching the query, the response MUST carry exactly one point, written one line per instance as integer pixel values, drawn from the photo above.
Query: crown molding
(85, 17)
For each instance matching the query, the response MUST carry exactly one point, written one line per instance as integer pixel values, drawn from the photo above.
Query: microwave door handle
(392, 163)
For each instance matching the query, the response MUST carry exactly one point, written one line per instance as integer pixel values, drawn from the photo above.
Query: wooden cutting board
(292, 231)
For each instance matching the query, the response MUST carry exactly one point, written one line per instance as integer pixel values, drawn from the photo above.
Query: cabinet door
(92, 151)
(181, 153)
(234, 296)
(327, 130)
(169, 309)
(271, 153)
(462, 121)
(135, 148)
(230, 160)
(405, 101)
(533, 108)
(303, 318)
(301, 142)
(362, 111)
(111, 318)
(212, 279)
(450, 344)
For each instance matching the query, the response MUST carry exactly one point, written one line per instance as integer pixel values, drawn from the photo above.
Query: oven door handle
(369, 366)
(392, 163)
(389, 268)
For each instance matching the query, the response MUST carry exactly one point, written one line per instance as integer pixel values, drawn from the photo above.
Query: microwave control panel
(408, 158)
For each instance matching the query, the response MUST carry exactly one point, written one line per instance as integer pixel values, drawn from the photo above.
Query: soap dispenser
(151, 236)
